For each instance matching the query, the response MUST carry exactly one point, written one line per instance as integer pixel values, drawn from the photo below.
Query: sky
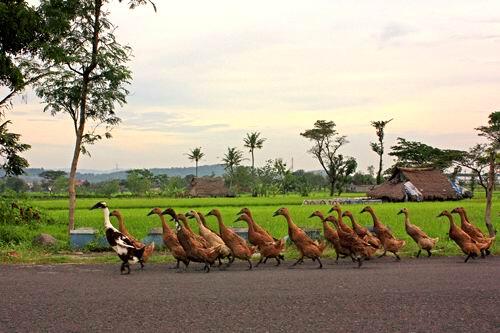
(205, 73)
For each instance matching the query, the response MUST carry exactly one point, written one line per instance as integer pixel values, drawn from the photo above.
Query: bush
(13, 212)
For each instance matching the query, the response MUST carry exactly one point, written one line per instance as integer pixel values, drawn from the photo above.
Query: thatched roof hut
(415, 184)
(207, 187)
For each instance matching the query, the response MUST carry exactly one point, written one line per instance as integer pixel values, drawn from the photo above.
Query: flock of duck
(208, 247)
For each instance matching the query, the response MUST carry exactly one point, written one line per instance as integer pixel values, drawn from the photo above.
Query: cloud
(392, 34)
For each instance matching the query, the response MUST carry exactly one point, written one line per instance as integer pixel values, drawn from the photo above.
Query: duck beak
(331, 210)
(400, 212)
(276, 213)
(151, 213)
(312, 215)
(240, 212)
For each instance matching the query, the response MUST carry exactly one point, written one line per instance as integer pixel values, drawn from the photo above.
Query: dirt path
(436, 295)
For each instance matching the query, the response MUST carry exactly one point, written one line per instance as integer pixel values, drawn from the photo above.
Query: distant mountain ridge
(96, 176)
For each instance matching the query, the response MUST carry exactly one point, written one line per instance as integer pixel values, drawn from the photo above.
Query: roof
(207, 187)
(432, 184)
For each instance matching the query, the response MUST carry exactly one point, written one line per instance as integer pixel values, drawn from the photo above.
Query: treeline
(275, 177)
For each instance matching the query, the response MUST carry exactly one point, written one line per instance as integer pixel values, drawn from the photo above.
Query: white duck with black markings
(121, 244)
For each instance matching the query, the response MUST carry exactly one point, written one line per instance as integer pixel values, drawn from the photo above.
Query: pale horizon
(205, 74)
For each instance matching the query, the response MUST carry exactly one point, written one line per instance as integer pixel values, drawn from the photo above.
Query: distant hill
(96, 176)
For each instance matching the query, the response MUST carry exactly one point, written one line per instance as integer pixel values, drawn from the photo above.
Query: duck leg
(482, 254)
(487, 252)
(360, 262)
(418, 253)
(468, 256)
(125, 266)
(320, 263)
(265, 260)
(337, 259)
(429, 253)
(397, 256)
(261, 259)
(249, 264)
(299, 261)
(382, 255)
(278, 260)
(142, 264)
(207, 267)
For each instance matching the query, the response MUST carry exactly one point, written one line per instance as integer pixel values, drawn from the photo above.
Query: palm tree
(379, 147)
(253, 141)
(232, 159)
(196, 155)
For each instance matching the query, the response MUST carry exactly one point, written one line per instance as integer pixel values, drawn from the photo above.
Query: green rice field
(135, 212)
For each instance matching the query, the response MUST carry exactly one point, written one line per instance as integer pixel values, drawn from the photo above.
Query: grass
(135, 211)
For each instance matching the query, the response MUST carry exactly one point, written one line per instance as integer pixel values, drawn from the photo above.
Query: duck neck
(291, 225)
(220, 222)
(107, 222)
(121, 224)
(452, 223)
(463, 217)
(374, 218)
(164, 224)
(407, 219)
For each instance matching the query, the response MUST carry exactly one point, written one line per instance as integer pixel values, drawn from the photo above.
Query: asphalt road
(425, 295)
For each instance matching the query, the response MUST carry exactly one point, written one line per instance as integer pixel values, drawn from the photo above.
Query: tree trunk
(332, 188)
(252, 161)
(72, 180)
(196, 169)
(489, 195)
(379, 173)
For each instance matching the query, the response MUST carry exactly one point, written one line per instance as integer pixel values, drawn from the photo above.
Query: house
(415, 184)
(207, 187)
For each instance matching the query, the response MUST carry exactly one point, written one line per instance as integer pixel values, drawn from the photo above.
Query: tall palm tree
(379, 147)
(253, 141)
(196, 155)
(232, 159)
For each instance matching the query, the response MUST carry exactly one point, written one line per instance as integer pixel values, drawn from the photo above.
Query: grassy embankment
(135, 211)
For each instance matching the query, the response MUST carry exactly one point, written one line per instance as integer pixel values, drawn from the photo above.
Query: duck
(195, 251)
(332, 236)
(359, 249)
(423, 241)
(461, 238)
(306, 246)
(484, 243)
(170, 240)
(211, 237)
(121, 244)
(268, 248)
(389, 242)
(256, 227)
(336, 208)
(148, 249)
(363, 232)
(238, 246)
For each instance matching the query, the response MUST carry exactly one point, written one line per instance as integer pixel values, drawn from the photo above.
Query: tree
(232, 159)
(253, 141)
(16, 184)
(139, 181)
(378, 147)
(10, 148)
(196, 155)
(417, 154)
(327, 143)
(486, 156)
(87, 80)
(284, 175)
(345, 168)
(108, 188)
